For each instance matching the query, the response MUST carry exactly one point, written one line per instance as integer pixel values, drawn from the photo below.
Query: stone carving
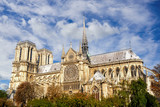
(71, 73)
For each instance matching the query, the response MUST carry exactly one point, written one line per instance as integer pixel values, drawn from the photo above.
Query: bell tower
(84, 41)
(24, 65)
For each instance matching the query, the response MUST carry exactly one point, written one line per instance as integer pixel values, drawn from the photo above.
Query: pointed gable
(70, 55)
(97, 76)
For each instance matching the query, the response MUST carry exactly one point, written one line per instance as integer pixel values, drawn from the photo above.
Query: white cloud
(23, 22)
(3, 86)
(96, 30)
(69, 30)
(7, 48)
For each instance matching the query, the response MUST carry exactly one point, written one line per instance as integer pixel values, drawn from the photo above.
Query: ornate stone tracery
(71, 73)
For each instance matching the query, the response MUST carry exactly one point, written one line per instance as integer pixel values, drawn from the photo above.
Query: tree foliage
(25, 92)
(155, 84)
(3, 94)
(133, 95)
(156, 70)
(40, 103)
(38, 90)
(3, 100)
(53, 92)
(76, 100)
(139, 95)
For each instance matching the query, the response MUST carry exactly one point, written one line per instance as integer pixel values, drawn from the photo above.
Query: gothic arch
(95, 71)
(117, 71)
(110, 72)
(139, 70)
(133, 71)
(125, 71)
(95, 92)
(103, 72)
(20, 54)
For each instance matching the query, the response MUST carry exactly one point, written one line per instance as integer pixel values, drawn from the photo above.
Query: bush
(3, 100)
(76, 100)
(3, 94)
(140, 96)
(151, 101)
(40, 103)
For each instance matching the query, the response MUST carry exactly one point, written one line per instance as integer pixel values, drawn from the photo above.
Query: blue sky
(110, 25)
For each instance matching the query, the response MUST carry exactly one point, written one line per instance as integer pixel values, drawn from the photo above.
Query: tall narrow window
(31, 55)
(20, 54)
(117, 71)
(28, 54)
(132, 70)
(139, 70)
(103, 72)
(110, 72)
(41, 58)
(38, 58)
(125, 70)
(48, 59)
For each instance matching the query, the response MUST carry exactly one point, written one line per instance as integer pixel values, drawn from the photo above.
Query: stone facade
(77, 72)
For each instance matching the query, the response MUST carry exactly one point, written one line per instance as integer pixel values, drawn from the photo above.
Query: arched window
(28, 54)
(20, 54)
(139, 70)
(125, 71)
(31, 55)
(38, 58)
(103, 72)
(95, 92)
(117, 71)
(41, 58)
(132, 70)
(110, 72)
(48, 59)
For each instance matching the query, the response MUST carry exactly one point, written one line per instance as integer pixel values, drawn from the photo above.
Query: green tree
(3, 100)
(151, 101)
(3, 94)
(139, 95)
(40, 103)
(138, 92)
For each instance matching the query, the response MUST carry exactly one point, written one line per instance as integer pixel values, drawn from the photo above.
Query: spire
(80, 48)
(84, 41)
(63, 53)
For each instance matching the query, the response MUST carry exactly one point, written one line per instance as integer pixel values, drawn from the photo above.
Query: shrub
(3, 94)
(40, 103)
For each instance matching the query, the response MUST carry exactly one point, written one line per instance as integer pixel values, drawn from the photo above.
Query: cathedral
(100, 74)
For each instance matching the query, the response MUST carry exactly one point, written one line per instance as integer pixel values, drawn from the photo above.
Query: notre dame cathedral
(77, 72)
